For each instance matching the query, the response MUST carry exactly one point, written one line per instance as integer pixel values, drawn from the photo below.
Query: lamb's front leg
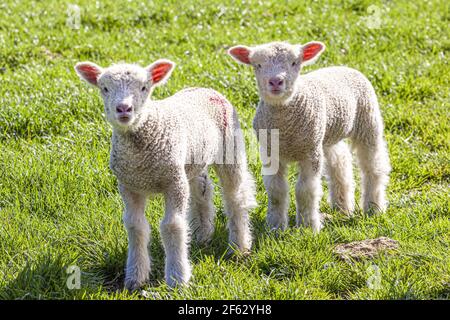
(278, 195)
(174, 233)
(138, 262)
(308, 192)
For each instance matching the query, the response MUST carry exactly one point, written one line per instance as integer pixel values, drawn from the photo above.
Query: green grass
(59, 204)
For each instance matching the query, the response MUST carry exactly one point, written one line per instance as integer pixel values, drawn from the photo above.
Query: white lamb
(166, 146)
(314, 113)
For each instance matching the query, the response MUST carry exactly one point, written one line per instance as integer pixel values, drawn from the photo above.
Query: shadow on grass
(104, 268)
(44, 278)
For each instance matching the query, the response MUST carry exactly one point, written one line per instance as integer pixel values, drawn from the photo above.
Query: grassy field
(59, 204)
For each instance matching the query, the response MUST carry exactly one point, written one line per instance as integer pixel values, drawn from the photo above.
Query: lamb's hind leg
(375, 168)
(239, 195)
(138, 261)
(201, 211)
(340, 176)
(372, 152)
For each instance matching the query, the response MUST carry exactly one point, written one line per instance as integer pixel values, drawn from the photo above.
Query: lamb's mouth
(276, 92)
(124, 118)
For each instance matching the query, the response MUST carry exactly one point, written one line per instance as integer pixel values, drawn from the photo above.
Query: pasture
(59, 204)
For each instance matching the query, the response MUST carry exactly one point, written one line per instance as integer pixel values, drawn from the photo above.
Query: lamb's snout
(124, 112)
(124, 108)
(276, 84)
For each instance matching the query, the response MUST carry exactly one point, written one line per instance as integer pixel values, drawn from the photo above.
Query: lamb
(166, 146)
(314, 113)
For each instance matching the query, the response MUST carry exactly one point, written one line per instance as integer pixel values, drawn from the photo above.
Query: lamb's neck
(143, 128)
(284, 107)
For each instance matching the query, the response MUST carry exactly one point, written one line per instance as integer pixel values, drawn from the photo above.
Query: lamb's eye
(105, 89)
(258, 65)
(294, 63)
(143, 89)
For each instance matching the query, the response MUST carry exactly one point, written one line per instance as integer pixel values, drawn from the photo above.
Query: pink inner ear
(241, 54)
(159, 72)
(89, 72)
(311, 50)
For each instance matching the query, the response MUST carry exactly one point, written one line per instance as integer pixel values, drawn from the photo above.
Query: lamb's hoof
(150, 295)
(277, 228)
(316, 224)
(316, 227)
(202, 234)
(137, 275)
(234, 253)
(374, 209)
(173, 283)
(204, 240)
(276, 224)
(177, 278)
(133, 284)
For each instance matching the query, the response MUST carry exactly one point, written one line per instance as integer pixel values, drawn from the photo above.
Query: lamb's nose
(122, 108)
(276, 82)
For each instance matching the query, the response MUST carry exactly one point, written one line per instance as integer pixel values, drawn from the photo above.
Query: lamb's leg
(138, 262)
(278, 195)
(239, 197)
(340, 176)
(201, 208)
(308, 192)
(375, 168)
(174, 232)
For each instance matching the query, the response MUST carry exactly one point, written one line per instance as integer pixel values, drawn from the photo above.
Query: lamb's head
(125, 87)
(277, 66)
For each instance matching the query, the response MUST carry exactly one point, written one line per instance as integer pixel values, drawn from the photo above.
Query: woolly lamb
(314, 113)
(166, 146)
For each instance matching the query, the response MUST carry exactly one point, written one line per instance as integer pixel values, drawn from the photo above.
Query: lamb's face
(277, 66)
(125, 87)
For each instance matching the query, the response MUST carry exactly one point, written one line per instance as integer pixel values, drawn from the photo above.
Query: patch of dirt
(368, 248)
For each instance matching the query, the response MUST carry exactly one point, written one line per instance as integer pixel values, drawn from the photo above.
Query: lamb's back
(202, 106)
(346, 94)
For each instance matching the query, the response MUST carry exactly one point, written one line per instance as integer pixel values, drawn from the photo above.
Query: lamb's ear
(311, 51)
(159, 71)
(240, 53)
(88, 71)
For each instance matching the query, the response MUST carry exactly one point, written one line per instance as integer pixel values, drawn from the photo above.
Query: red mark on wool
(225, 120)
(218, 101)
(223, 103)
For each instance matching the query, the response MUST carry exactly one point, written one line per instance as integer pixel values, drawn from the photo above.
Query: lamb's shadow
(219, 247)
(43, 278)
(112, 270)
(46, 277)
